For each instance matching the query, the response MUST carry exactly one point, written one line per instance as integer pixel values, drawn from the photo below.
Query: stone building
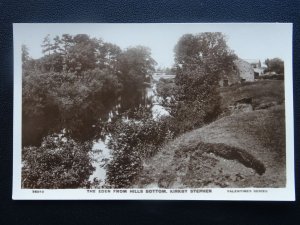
(242, 71)
(257, 67)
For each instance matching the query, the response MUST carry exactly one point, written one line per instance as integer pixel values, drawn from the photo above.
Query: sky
(247, 40)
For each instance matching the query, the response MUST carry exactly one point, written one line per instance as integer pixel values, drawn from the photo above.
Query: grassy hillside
(245, 149)
(261, 92)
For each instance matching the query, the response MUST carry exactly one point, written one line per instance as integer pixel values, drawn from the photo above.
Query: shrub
(133, 141)
(59, 162)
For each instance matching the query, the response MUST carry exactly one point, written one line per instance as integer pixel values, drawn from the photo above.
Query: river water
(102, 154)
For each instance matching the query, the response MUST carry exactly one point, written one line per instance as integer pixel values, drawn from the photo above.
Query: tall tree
(136, 66)
(108, 55)
(28, 63)
(56, 47)
(47, 45)
(200, 60)
(207, 50)
(80, 56)
(25, 54)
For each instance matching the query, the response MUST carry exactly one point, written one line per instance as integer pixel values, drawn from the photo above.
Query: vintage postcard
(185, 111)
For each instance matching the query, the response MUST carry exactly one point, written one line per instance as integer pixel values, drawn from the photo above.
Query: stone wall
(245, 70)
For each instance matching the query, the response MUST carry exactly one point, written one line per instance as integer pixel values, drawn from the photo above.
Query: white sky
(248, 40)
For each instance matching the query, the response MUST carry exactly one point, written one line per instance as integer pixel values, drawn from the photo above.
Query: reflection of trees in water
(81, 82)
(130, 100)
(80, 124)
(79, 85)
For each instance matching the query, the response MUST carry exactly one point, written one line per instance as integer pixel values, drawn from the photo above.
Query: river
(102, 154)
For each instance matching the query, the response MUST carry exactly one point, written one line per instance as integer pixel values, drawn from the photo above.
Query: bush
(59, 162)
(166, 88)
(133, 141)
(197, 100)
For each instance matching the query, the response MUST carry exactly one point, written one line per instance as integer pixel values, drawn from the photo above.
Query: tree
(56, 47)
(165, 87)
(80, 56)
(27, 62)
(79, 74)
(200, 61)
(107, 56)
(52, 60)
(206, 50)
(73, 54)
(25, 54)
(135, 66)
(47, 45)
(67, 41)
(275, 65)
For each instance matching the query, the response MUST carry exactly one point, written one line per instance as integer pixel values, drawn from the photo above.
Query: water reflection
(81, 124)
(103, 157)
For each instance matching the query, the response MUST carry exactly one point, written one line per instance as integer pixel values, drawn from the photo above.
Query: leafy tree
(47, 45)
(70, 98)
(28, 63)
(205, 50)
(107, 56)
(136, 65)
(73, 54)
(275, 65)
(66, 42)
(36, 100)
(59, 162)
(50, 63)
(200, 62)
(53, 57)
(166, 88)
(57, 45)
(25, 54)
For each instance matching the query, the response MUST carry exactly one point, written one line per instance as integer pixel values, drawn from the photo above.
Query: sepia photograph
(153, 111)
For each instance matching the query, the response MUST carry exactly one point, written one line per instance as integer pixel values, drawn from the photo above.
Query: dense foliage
(275, 65)
(200, 60)
(59, 162)
(77, 81)
(82, 83)
(133, 141)
(75, 87)
(166, 89)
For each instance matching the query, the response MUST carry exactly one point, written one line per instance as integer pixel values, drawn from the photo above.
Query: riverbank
(241, 149)
(192, 160)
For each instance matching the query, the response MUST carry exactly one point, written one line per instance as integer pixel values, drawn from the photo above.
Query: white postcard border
(238, 194)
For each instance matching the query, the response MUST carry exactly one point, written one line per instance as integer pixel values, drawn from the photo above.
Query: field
(262, 92)
(243, 149)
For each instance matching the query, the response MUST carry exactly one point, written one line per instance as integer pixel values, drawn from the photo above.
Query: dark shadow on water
(81, 124)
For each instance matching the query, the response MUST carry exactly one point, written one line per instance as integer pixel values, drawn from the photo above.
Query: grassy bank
(261, 92)
(246, 149)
